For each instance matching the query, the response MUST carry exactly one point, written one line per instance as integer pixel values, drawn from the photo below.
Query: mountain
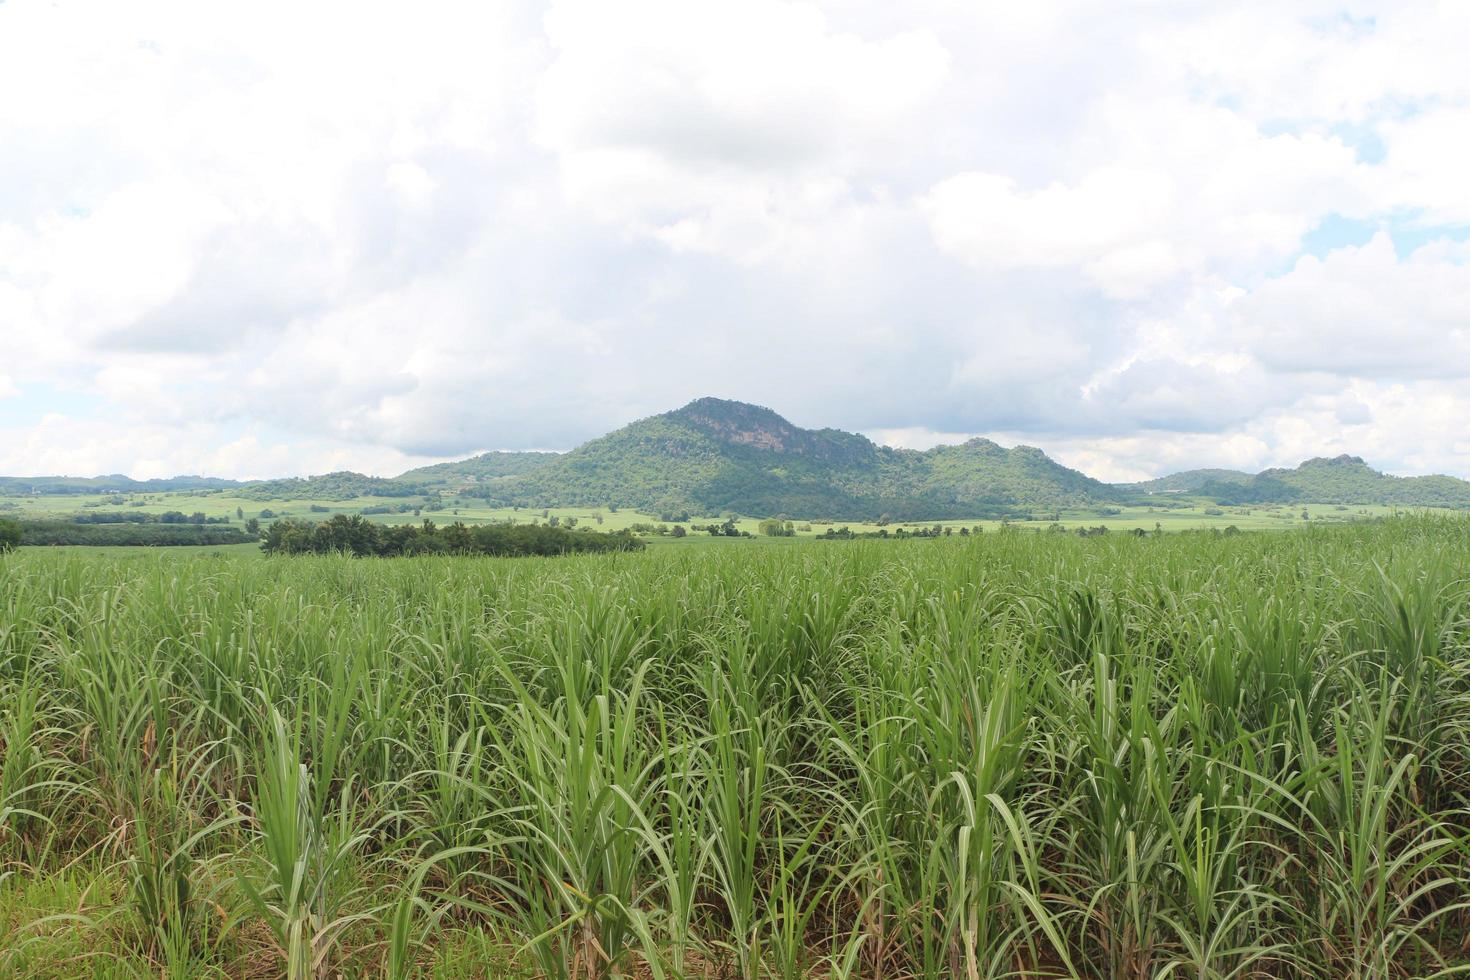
(12, 485)
(1188, 481)
(477, 469)
(342, 485)
(714, 456)
(1342, 480)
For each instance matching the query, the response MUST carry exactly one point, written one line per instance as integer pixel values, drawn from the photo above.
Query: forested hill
(1188, 481)
(713, 456)
(477, 469)
(342, 485)
(12, 485)
(1341, 480)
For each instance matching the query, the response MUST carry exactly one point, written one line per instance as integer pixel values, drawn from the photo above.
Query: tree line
(139, 517)
(352, 534)
(72, 533)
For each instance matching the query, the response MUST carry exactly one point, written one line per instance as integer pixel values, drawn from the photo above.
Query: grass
(1012, 755)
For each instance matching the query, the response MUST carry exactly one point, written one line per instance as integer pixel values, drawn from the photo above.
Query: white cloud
(1319, 62)
(723, 128)
(1180, 189)
(1365, 312)
(764, 86)
(1424, 155)
(272, 238)
(58, 444)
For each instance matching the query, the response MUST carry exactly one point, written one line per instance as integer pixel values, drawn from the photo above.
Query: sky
(266, 239)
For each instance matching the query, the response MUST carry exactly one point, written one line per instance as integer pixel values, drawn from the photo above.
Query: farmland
(1167, 514)
(1007, 754)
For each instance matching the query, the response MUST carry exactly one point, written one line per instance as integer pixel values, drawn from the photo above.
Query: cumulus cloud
(59, 444)
(1423, 152)
(733, 129)
(765, 86)
(1192, 190)
(1365, 312)
(274, 239)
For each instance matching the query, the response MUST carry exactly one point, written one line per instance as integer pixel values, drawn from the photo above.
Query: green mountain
(714, 456)
(114, 483)
(1342, 480)
(477, 469)
(1188, 481)
(1339, 480)
(342, 485)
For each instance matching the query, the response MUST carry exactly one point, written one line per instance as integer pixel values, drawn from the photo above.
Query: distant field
(1011, 755)
(472, 511)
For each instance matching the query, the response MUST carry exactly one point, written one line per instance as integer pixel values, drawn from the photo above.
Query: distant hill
(714, 456)
(1188, 481)
(1342, 480)
(12, 485)
(1338, 480)
(477, 469)
(342, 485)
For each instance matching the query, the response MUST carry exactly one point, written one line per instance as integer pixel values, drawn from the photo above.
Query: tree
(678, 531)
(9, 535)
(354, 535)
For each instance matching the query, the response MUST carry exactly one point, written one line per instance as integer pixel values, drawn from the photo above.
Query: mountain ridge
(717, 455)
(494, 465)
